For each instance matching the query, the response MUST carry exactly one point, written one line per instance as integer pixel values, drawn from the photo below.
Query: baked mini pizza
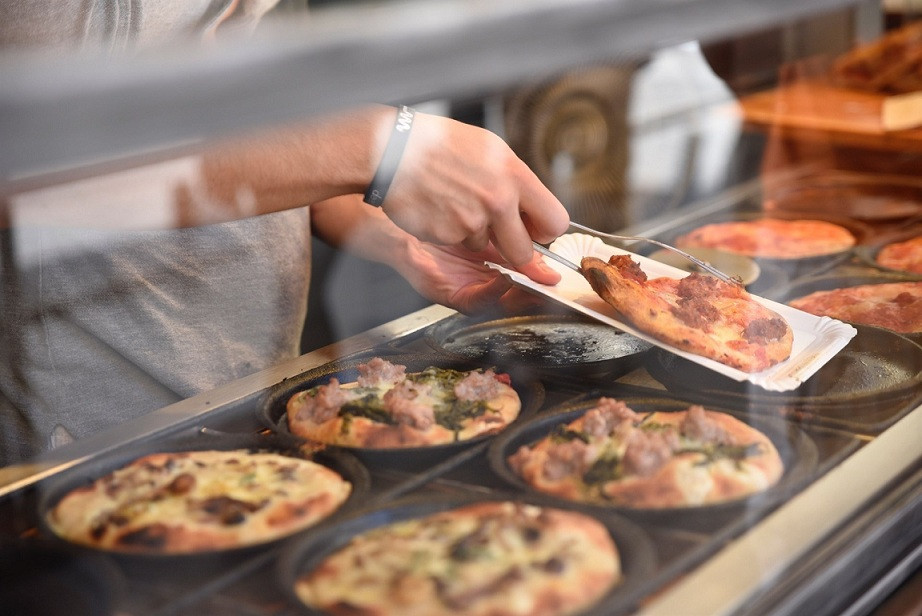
(771, 238)
(198, 501)
(905, 256)
(614, 455)
(699, 313)
(895, 305)
(386, 407)
(492, 558)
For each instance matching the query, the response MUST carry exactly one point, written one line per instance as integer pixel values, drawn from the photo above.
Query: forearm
(296, 166)
(245, 177)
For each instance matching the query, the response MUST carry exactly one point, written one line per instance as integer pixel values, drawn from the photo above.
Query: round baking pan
(273, 410)
(564, 343)
(797, 450)
(868, 253)
(869, 198)
(806, 286)
(635, 548)
(39, 577)
(743, 268)
(868, 385)
(794, 267)
(52, 491)
(756, 277)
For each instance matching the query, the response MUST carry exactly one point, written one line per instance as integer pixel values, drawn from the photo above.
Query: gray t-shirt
(131, 322)
(100, 327)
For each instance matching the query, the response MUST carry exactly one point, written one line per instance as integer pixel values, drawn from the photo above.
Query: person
(104, 321)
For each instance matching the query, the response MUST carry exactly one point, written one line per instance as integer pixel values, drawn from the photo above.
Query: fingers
(539, 271)
(460, 184)
(479, 298)
(511, 238)
(536, 215)
(516, 301)
(542, 212)
(478, 241)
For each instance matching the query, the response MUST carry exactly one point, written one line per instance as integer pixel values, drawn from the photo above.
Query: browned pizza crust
(485, 559)
(387, 408)
(196, 501)
(699, 314)
(613, 455)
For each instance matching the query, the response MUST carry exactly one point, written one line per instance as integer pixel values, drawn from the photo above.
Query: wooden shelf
(815, 110)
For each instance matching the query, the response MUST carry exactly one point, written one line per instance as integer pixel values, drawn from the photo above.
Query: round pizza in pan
(652, 460)
(699, 313)
(905, 256)
(896, 306)
(772, 238)
(198, 501)
(493, 558)
(387, 407)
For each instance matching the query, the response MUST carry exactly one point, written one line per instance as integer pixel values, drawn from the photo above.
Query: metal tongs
(704, 265)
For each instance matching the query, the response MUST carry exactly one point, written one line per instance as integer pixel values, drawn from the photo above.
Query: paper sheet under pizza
(816, 339)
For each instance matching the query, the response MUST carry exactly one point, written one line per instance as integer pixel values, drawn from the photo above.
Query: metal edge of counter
(168, 101)
(190, 411)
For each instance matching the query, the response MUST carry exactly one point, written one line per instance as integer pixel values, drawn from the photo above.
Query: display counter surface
(841, 530)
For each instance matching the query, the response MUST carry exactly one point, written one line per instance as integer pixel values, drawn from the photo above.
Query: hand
(456, 277)
(460, 184)
(449, 275)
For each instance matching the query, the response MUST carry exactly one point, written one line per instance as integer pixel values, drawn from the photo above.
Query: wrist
(390, 157)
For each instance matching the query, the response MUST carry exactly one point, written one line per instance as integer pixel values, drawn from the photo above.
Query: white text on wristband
(390, 160)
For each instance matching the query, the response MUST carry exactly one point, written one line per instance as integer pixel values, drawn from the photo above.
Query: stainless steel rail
(194, 410)
(53, 108)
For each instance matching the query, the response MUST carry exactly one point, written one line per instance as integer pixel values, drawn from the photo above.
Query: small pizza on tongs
(699, 313)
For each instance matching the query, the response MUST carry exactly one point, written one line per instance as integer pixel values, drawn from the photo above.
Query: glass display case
(643, 118)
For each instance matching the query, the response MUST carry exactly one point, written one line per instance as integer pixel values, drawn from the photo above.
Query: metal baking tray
(870, 198)
(566, 343)
(171, 585)
(868, 386)
(831, 416)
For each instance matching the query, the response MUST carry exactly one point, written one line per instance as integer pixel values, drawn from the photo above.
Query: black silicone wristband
(390, 160)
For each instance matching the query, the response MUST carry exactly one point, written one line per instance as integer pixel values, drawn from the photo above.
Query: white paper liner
(816, 339)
